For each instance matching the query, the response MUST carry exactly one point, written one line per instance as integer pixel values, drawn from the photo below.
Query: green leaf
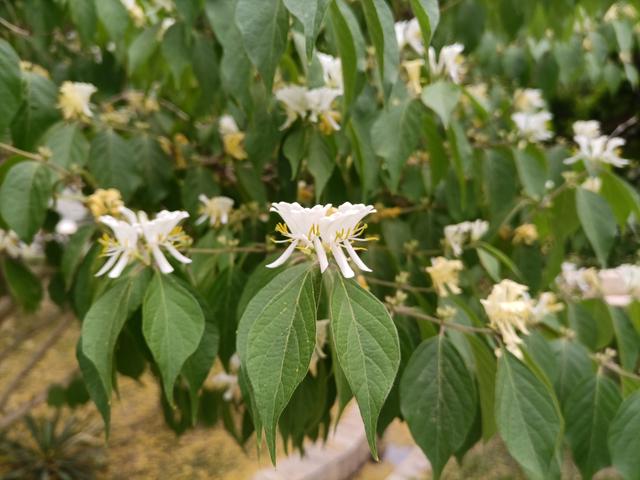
(598, 222)
(442, 98)
(142, 48)
(176, 51)
(624, 441)
(383, 36)
(501, 189)
(101, 327)
(572, 364)
(173, 325)
(113, 164)
(37, 112)
(68, 145)
(485, 363)
(155, 165)
(320, 162)
(438, 400)
(10, 84)
(24, 198)
(276, 337)
(83, 15)
(528, 417)
(490, 263)
(114, 17)
(346, 43)
(94, 385)
(310, 13)
(589, 411)
(367, 347)
(532, 169)
(428, 14)
(264, 25)
(621, 197)
(627, 339)
(74, 253)
(23, 285)
(395, 134)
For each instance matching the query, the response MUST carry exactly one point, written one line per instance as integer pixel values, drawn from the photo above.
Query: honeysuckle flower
(10, 243)
(229, 381)
(580, 282)
(509, 308)
(314, 105)
(163, 232)
(456, 236)
(135, 12)
(165, 25)
(621, 285)
(529, 100)
(73, 100)
(546, 304)
(216, 209)
(533, 126)
(322, 329)
(105, 202)
(69, 205)
(331, 70)
(34, 68)
(593, 184)
(594, 148)
(232, 137)
(449, 62)
(408, 33)
(526, 233)
(414, 70)
(445, 275)
(137, 237)
(120, 248)
(323, 229)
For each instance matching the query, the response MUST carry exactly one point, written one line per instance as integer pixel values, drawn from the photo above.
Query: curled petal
(322, 255)
(342, 262)
(285, 255)
(356, 259)
(161, 261)
(176, 254)
(107, 265)
(120, 266)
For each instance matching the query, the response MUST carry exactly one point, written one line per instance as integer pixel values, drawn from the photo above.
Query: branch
(400, 286)
(14, 28)
(410, 312)
(252, 249)
(22, 153)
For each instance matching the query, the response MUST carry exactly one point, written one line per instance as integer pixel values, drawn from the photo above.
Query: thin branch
(52, 339)
(174, 108)
(620, 371)
(252, 249)
(400, 286)
(624, 126)
(410, 312)
(14, 28)
(22, 153)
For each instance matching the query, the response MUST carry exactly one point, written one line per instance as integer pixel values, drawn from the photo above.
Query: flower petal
(285, 256)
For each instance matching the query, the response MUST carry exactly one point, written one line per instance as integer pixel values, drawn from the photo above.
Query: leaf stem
(400, 286)
(22, 153)
(401, 310)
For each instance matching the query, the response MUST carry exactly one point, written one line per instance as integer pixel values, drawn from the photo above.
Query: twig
(174, 108)
(51, 340)
(22, 153)
(252, 249)
(26, 407)
(455, 326)
(624, 126)
(14, 28)
(620, 371)
(400, 286)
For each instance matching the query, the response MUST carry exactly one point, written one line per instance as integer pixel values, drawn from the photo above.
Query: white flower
(529, 100)
(163, 231)
(10, 243)
(331, 70)
(138, 237)
(74, 98)
(216, 209)
(621, 285)
(321, 229)
(509, 309)
(546, 304)
(315, 105)
(232, 137)
(408, 33)
(71, 210)
(594, 148)
(581, 282)
(229, 381)
(227, 125)
(165, 25)
(533, 127)
(449, 62)
(135, 12)
(445, 275)
(457, 235)
(593, 184)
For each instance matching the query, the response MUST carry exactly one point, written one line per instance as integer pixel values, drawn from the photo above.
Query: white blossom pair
(331, 71)
(69, 204)
(214, 209)
(617, 286)
(449, 63)
(12, 246)
(531, 119)
(137, 237)
(314, 105)
(456, 236)
(74, 100)
(323, 229)
(595, 148)
(408, 33)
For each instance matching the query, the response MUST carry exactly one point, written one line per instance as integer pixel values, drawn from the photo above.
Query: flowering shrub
(455, 220)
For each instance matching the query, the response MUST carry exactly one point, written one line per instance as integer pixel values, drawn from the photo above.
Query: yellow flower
(73, 100)
(525, 234)
(105, 202)
(445, 275)
(232, 138)
(414, 70)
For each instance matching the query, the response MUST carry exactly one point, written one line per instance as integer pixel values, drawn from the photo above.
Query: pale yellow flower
(232, 137)
(445, 275)
(526, 234)
(73, 100)
(34, 68)
(105, 202)
(414, 71)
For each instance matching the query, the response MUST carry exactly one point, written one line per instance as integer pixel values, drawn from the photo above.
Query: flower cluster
(70, 206)
(595, 148)
(408, 33)
(314, 105)
(531, 118)
(232, 137)
(12, 246)
(104, 202)
(449, 63)
(617, 286)
(137, 237)
(456, 236)
(74, 98)
(445, 275)
(323, 229)
(526, 234)
(215, 209)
